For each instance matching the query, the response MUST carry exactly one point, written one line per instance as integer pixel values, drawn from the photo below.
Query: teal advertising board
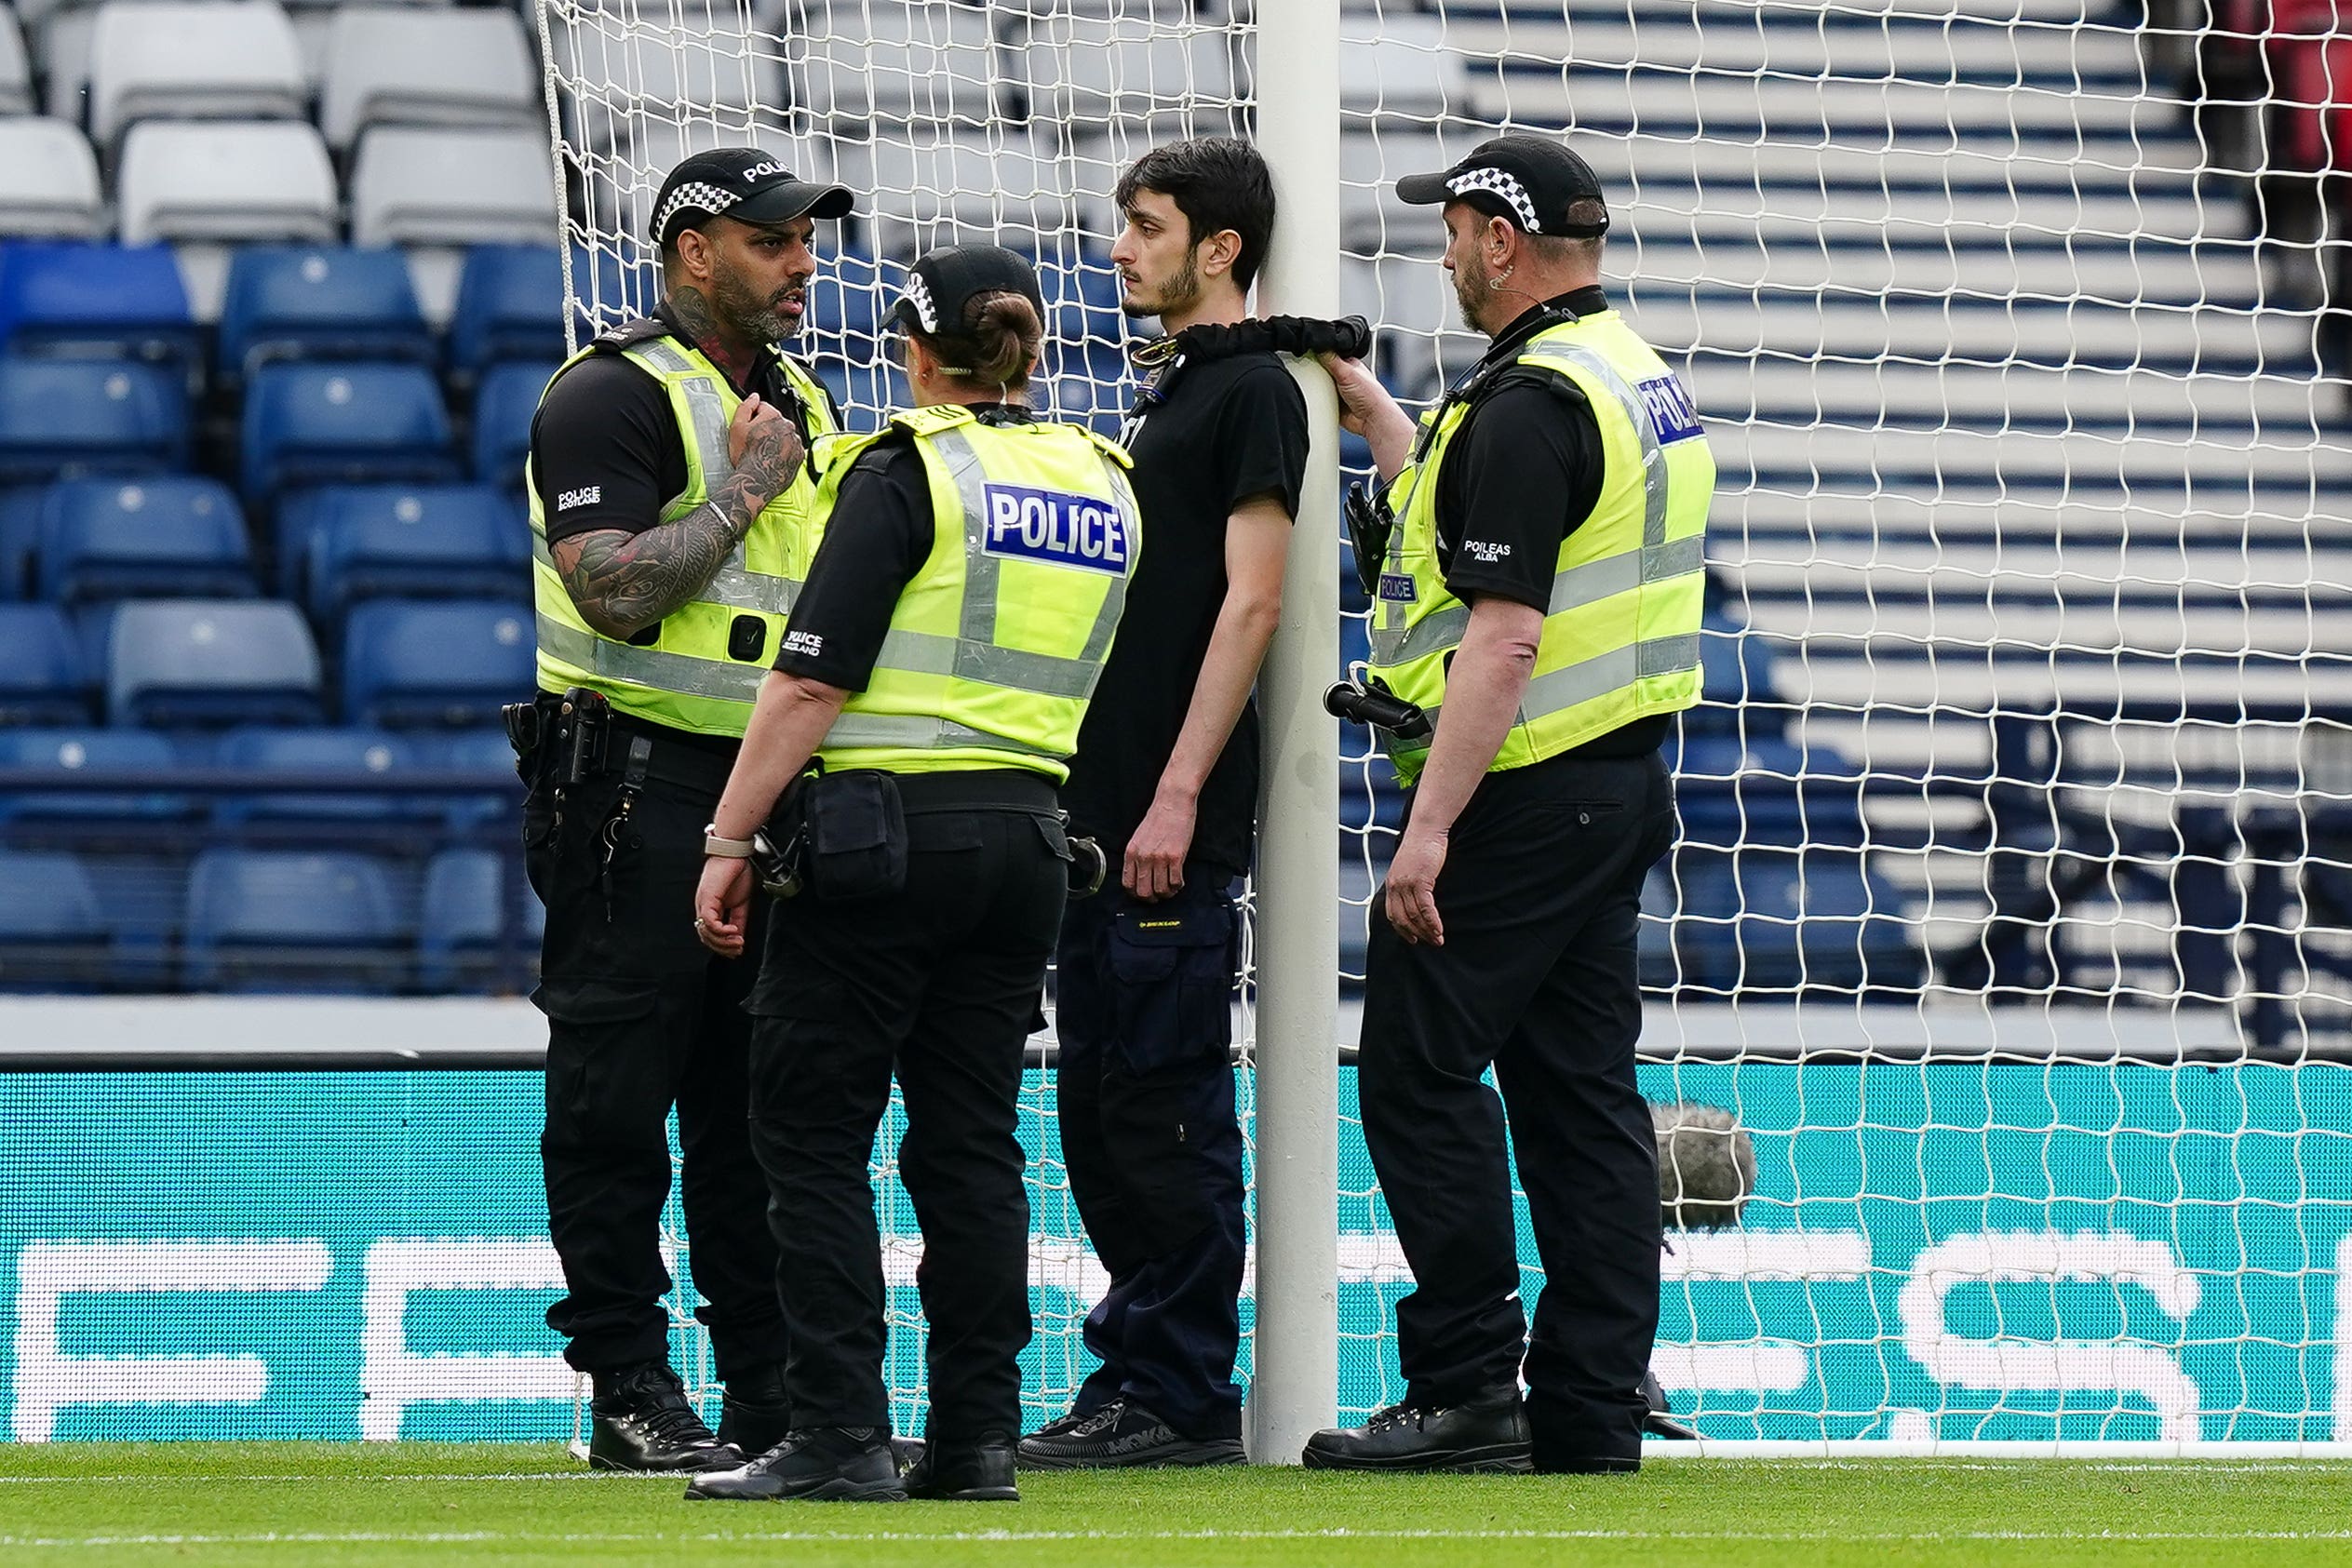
(1942, 1250)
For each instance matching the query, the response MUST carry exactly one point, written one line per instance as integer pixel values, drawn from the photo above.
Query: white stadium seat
(190, 60)
(469, 67)
(16, 71)
(652, 75)
(925, 189)
(1088, 75)
(266, 180)
(896, 63)
(413, 185)
(1399, 67)
(48, 181)
(62, 46)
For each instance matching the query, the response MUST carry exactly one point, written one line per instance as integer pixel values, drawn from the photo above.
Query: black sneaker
(1489, 1433)
(1062, 1424)
(642, 1422)
(820, 1463)
(1659, 1422)
(1125, 1436)
(757, 1415)
(974, 1472)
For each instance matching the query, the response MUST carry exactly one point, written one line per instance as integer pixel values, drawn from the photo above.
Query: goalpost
(2010, 918)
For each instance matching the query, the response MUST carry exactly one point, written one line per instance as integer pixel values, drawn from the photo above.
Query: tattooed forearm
(624, 582)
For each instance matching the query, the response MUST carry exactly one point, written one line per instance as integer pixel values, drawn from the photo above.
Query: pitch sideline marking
(1336, 1533)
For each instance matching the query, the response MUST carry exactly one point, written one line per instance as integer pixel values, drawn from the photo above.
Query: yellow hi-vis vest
(699, 668)
(1620, 636)
(996, 644)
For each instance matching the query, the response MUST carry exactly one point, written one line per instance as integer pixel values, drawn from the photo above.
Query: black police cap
(944, 282)
(744, 184)
(1529, 180)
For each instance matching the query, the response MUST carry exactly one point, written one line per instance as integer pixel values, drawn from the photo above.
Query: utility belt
(564, 741)
(843, 835)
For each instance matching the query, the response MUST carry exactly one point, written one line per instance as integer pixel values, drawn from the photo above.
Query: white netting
(2023, 763)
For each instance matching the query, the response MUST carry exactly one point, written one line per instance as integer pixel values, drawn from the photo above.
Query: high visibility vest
(1620, 635)
(699, 668)
(996, 644)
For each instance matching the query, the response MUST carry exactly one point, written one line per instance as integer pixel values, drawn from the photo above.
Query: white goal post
(2012, 914)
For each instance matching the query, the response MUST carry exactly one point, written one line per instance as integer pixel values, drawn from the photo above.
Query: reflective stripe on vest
(1056, 687)
(688, 677)
(1649, 575)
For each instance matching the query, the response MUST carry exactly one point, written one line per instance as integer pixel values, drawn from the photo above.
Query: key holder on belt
(1366, 699)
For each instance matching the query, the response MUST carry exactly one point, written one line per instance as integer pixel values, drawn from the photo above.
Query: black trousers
(1145, 1091)
(939, 983)
(1538, 979)
(640, 1016)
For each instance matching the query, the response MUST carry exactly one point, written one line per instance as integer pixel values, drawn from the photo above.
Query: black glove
(1369, 525)
(1350, 338)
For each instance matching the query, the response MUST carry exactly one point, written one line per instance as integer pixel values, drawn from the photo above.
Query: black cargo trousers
(1539, 979)
(642, 1017)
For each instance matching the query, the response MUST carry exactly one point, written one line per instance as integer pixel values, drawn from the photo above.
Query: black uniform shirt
(1522, 473)
(881, 534)
(1229, 431)
(606, 451)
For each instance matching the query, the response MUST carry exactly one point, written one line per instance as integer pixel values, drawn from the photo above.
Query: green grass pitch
(446, 1504)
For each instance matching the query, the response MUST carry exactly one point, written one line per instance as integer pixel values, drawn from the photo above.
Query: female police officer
(972, 567)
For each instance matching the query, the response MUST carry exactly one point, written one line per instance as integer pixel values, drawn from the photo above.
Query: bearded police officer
(972, 570)
(666, 475)
(1539, 600)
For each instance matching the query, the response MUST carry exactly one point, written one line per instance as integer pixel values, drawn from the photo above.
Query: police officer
(1539, 600)
(972, 567)
(1166, 780)
(666, 471)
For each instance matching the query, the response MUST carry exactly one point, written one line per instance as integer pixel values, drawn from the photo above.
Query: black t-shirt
(1229, 430)
(1523, 472)
(606, 451)
(881, 534)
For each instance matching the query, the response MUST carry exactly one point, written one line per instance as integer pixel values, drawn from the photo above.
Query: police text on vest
(1670, 409)
(1055, 526)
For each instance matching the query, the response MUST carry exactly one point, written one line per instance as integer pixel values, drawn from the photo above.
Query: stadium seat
(95, 300)
(190, 663)
(61, 53)
(413, 185)
(69, 752)
(670, 69)
(409, 665)
(43, 679)
(482, 753)
(1085, 327)
(1091, 75)
(356, 754)
(48, 181)
(317, 424)
(503, 411)
(1735, 676)
(319, 302)
(15, 68)
(291, 920)
(509, 306)
(414, 542)
(849, 300)
(105, 539)
(59, 418)
(896, 63)
(932, 188)
(192, 60)
(262, 181)
(419, 66)
(1397, 67)
(463, 933)
(51, 934)
(19, 538)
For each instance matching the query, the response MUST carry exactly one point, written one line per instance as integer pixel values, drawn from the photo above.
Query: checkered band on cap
(1497, 181)
(919, 296)
(712, 199)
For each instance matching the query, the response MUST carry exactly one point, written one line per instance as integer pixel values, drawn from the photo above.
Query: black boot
(821, 1464)
(1660, 1422)
(1122, 1436)
(758, 1414)
(1487, 1433)
(979, 1471)
(642, 1422)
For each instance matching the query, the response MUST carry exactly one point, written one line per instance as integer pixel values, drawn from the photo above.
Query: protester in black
(1166, 780)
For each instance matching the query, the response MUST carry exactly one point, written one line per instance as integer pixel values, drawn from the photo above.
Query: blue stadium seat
(1734, 680)
(64, 417)
(96, 301)
(509, 306)
(143, 896)
(319, 302)
(864, 388)
(502, 409)
(1081, 400)
(484, 752)
(19, 537)
(51, 934)
(103, 539)
(349, 753)
(413, 541)
(291, 920)
(69, 752)
(1083, 318)
(43, 679)
(462, 927)
(453, 664)
(194, 664)
(343, 425)
(1821, 919)
(849, 301)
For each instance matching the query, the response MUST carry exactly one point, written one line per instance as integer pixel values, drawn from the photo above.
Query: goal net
(2009, 916)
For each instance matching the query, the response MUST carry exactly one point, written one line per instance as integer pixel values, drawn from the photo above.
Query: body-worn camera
(1368, 701)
